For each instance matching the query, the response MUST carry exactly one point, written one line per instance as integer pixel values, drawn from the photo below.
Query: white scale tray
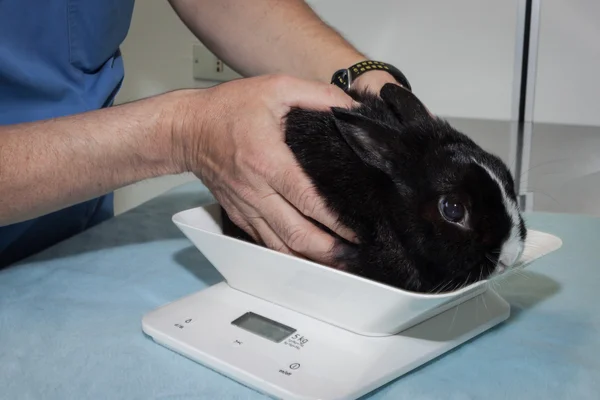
(294, 329)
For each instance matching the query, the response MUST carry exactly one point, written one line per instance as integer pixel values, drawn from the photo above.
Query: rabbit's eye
(451, 210)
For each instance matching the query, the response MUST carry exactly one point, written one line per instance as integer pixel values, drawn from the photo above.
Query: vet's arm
(48, 165)
(270, 36)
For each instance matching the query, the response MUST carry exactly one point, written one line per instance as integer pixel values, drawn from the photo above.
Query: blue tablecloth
(70, 320)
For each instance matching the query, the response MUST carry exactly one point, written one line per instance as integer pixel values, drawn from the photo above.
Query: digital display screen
(264, 327)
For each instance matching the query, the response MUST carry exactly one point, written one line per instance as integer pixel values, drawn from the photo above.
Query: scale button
(294, 366)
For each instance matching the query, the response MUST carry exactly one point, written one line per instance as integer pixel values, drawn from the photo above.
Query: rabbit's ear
(404, 104)
(368, 138)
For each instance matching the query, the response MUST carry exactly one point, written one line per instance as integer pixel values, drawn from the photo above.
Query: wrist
(371, 75)
(149, 149)
(340, 61)
(184, 120)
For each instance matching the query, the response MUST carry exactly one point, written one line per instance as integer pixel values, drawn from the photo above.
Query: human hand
(373, 81)
(241, 156)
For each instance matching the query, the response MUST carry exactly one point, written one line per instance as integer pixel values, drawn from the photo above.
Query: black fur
(382, 167)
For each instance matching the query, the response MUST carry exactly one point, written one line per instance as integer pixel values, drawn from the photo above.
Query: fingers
(238, 219)
(374, 81)
(273, 222)
(268, 237)
(256, 227)
(311, 94)
(291, 182)
(298, 233)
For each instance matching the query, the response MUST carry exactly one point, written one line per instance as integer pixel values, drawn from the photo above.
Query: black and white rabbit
(432, 210)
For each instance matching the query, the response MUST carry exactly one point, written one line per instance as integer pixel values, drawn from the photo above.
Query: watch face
(340, 78)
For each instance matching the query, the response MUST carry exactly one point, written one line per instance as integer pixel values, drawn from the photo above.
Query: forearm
(268, 36)
(48, 165)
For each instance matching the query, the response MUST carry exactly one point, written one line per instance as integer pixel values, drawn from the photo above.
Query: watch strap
(343, 78)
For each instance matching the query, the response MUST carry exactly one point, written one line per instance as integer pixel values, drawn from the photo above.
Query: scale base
(312, 360)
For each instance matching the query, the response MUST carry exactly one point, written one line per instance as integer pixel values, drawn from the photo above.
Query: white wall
(568, 66)
(157, 52)
(458, 55)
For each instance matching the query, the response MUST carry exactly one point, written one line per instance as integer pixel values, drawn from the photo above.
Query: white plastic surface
(329, 295)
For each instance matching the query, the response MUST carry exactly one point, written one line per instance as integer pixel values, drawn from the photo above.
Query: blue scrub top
(58, 58)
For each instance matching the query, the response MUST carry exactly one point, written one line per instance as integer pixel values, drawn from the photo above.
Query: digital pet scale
(293, 329)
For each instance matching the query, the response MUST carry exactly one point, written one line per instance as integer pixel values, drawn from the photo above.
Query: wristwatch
(343, 78)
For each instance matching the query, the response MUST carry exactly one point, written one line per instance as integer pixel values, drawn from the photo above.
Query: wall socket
(210, 68)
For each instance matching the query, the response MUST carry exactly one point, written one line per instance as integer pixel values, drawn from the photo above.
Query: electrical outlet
(210, 68)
